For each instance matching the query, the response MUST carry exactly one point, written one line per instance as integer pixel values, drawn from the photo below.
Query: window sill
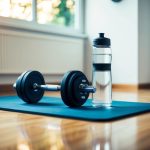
(21, 25)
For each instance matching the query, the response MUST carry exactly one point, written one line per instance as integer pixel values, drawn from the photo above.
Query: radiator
(50, 54)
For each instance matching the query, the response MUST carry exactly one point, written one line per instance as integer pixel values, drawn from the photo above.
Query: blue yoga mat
(52, 106)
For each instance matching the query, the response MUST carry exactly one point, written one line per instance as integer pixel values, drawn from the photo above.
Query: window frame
(33, 26)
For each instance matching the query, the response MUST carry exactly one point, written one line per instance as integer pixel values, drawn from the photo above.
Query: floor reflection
(101, 135)
(86, 136)
(76, 135)
(8, 132)
(41, 135)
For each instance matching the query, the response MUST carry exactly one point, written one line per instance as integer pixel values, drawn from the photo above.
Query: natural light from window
(20, 9)
(56, 12)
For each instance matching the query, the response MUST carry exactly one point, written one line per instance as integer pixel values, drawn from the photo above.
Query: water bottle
(101, 75)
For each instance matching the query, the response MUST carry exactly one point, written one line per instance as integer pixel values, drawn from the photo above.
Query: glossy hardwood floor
(32, 132)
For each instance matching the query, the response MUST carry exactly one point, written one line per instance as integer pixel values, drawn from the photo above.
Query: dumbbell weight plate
(64, 88)
(70, 89)
(29, 93)
(18, 84)
(78, 97)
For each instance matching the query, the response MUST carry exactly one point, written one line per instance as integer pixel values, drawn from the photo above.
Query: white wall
(120, 22)
(144, 41)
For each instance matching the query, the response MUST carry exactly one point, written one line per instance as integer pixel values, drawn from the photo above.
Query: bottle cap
(101, 41)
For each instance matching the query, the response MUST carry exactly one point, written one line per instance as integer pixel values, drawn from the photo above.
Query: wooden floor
(32, 132)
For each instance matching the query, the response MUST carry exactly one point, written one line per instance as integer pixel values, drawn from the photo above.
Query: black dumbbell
(74, 88)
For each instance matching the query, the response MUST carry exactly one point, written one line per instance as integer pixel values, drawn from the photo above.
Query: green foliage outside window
(65, 12)
(60, 12)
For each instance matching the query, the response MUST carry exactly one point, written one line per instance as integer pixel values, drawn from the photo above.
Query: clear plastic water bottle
(102, 78)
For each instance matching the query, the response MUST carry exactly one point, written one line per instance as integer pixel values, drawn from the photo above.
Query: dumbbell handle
(47, 87)
(87, 88)
(14, 85)
(84, 88)
(44, 87)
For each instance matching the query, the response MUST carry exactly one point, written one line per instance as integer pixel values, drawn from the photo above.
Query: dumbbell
(74, 87)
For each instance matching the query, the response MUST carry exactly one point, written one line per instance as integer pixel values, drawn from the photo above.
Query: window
(64, 13)
(56, 12)
(20, 9)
